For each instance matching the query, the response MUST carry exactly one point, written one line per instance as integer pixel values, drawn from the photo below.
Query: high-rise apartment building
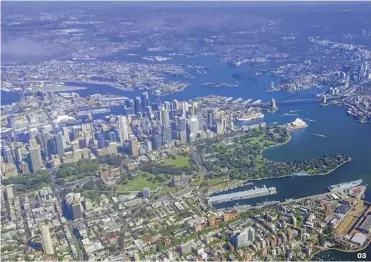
(46, 240)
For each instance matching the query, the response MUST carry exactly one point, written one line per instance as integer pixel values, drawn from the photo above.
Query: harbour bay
(331, 121)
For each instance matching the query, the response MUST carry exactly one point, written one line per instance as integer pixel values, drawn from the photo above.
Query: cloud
(201, 20)
(22, 47)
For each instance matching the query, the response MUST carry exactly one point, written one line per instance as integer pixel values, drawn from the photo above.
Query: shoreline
(341, 250)
(119, 87)
(309, 175)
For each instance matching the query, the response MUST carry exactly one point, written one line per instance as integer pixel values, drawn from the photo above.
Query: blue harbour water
(343, 133)
(9, 97)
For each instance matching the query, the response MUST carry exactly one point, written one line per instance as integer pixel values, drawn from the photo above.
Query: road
(56, 189)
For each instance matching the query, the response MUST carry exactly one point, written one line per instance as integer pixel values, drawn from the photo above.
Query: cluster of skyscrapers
(142, 127)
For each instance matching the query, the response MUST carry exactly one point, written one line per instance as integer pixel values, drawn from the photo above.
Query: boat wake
(320, 135)
(310, 120)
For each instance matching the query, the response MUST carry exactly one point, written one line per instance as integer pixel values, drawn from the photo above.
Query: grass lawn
(168, 189)
(138, 184)
(213, 181)
(179, 161)
(196, 181)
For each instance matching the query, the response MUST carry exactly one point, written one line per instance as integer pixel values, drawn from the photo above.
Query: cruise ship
(255, 192)
(343, 186)
(251, 117)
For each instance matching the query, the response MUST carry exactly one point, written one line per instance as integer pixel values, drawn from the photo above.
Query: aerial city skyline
(208, 131)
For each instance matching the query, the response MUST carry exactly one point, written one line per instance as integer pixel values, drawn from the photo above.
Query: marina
(255, 192)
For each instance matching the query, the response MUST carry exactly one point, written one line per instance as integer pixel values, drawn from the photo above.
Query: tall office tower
(157, 140)
(88, 138)
(123, 129)
(75, 132)
(194, 125)
(165, 117)
(11, 122)
(148, 112)
(175, 105)
(112, 137)
(66, 134)
(182, 124)
(224, 124)
(51, 146)
(145, 99)
(219, 128)
(18, 155)
(100, 139)
(174, 129)
(200, 117)
(76, 209)
(33, 142)
(194, 108)
(134, 148)
(184, 109)
(57, 129)
(8, 155)
(183, 137)
(46, 240)
(36, 160)
(167, 105)
(167, 136)
(33, 132)
(45, 137)
(210, 119)
(75, 145)
(137, 105)
(9, 190)
(59, 142)
(86, 127)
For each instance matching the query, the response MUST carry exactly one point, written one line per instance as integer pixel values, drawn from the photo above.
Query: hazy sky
(192, 0)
